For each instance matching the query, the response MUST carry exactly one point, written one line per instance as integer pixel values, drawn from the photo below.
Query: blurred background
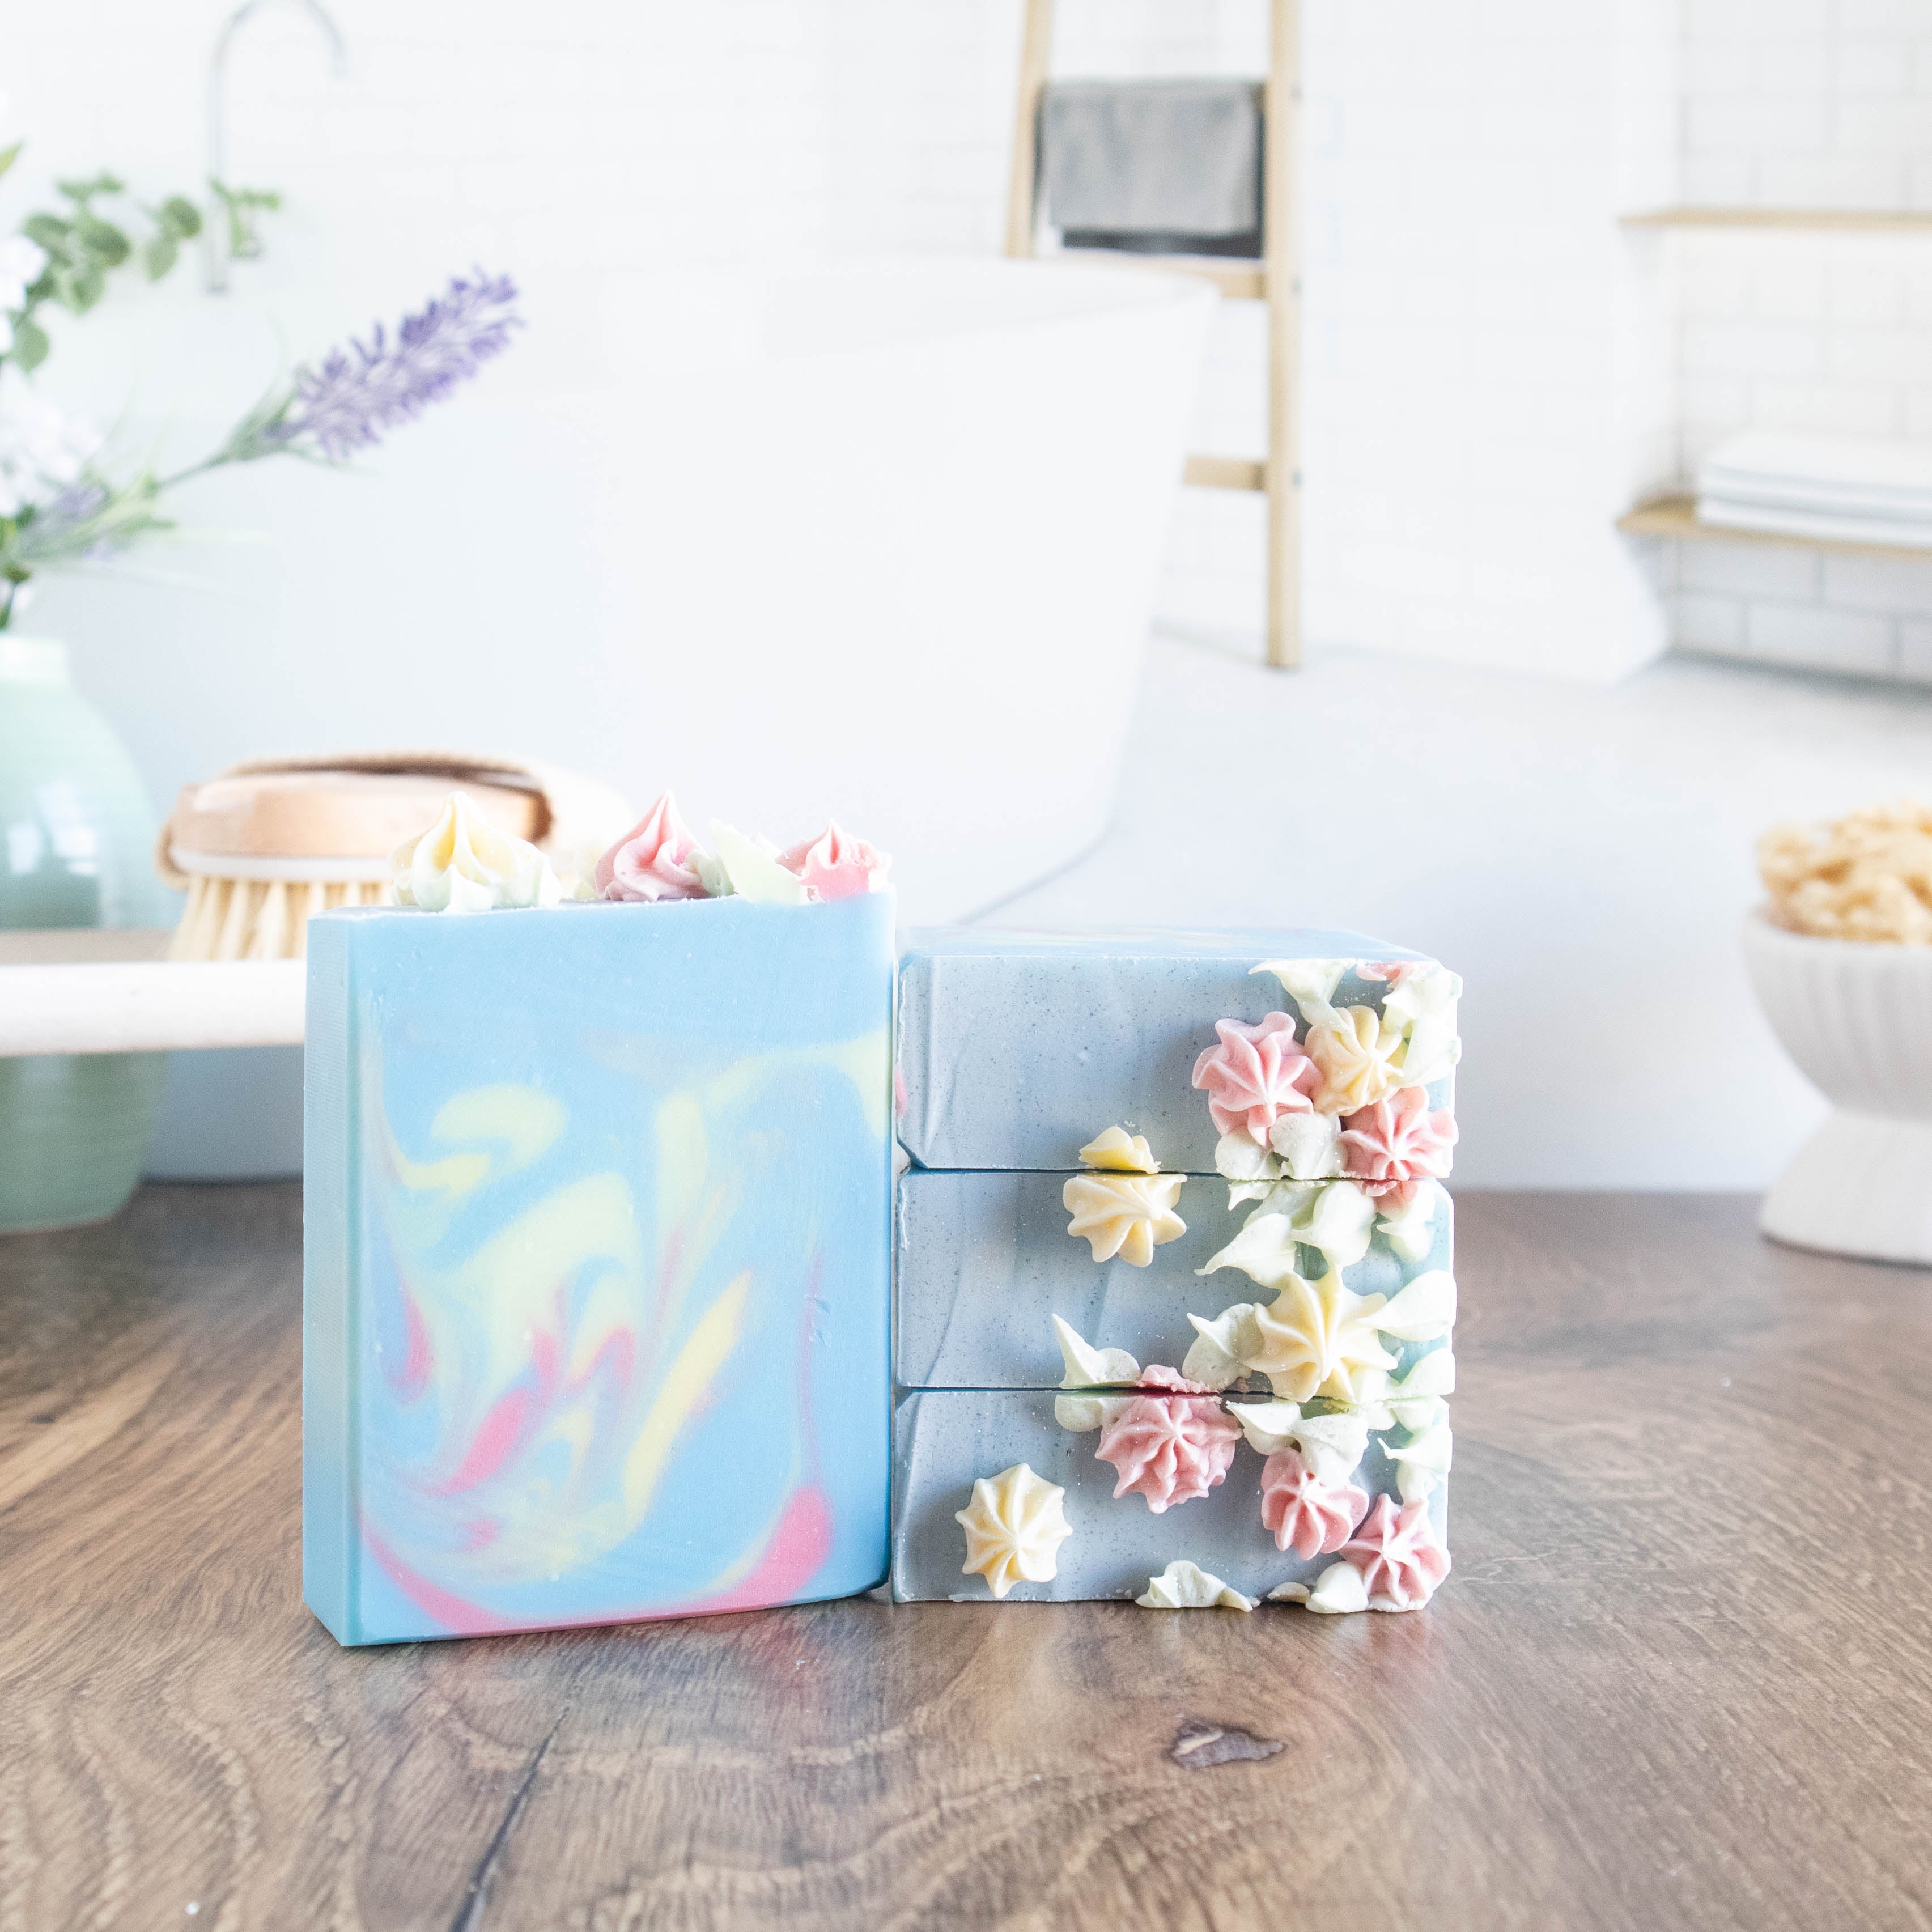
(783, 498)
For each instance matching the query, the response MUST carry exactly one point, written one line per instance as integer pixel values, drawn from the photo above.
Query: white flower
(1184, 1585)
(22, 261)
(41, 450)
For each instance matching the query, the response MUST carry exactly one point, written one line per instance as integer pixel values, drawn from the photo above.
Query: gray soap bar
(944, 1439)
(983, 1261)
(1016, 1048)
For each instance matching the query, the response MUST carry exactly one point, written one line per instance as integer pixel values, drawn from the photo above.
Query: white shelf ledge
(1881, 219)
(84, 992)
(1677, 517)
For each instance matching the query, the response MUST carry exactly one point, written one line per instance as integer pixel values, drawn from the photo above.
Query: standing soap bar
(597, 1218)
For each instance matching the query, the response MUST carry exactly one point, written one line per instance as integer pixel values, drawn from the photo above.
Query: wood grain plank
(1681, 1676)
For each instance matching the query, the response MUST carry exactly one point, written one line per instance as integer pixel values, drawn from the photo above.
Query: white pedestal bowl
(1857, 1019)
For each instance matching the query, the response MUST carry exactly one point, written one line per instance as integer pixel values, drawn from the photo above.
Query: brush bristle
(252, 919)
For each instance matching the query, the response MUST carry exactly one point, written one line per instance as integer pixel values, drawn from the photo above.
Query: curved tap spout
(217, 243)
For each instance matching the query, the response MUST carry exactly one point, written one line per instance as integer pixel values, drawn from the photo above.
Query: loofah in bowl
(1856, 1017)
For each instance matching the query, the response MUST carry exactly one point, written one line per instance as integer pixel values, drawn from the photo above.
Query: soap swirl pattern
(549, 1332)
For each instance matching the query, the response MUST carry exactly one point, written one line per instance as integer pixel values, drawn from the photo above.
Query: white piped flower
(1410, 1232)
(1015, 1525)
(1339, 1590)
(1089, 1367)
(1125, 1214)
(1120, 1152)
(1184, 1585)
(751, 865)
(463, 864)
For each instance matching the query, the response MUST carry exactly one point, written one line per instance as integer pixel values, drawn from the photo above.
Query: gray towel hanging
(1160, 167)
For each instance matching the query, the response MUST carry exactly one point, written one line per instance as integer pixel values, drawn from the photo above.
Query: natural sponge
(1867, 876)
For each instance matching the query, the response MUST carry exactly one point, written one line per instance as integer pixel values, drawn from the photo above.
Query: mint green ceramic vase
(76, 845)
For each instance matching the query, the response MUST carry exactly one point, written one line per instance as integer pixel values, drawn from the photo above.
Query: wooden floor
(1681, 1676)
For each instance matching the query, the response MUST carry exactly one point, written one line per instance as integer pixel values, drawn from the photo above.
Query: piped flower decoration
(463, 864)
(1184, 1585)
(653, 860)
(1015, 1525)
(1256, 1074)
(1130, 1215)
(1303, 1512)
(1360, 1054)
(1317, 1338)
(1119, 1152)
(836, 866)
(1397, 1141)
(1396, 1551)
(1170, 1448)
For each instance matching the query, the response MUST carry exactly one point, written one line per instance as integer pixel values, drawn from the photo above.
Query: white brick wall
(1804, 103)
(1487, 378)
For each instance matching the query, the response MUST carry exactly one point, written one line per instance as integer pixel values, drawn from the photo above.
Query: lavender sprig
(327, 412)
(346, 402)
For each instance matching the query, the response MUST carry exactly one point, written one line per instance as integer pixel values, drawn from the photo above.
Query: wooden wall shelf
(1676, 517)
(1883, 220)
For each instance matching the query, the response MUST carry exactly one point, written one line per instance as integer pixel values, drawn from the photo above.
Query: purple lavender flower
(356, 393)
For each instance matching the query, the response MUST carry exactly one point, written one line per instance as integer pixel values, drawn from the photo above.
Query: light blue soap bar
(597, 1255)
(944, 1439)
(983, 1260)
(1016, 1048)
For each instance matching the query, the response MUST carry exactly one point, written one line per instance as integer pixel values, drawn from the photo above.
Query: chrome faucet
(234, 236)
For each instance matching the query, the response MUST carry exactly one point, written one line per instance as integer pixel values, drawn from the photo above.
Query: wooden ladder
(1275, 282)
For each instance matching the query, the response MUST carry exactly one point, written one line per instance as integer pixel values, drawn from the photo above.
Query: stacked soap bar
(596, 1283)
(1174, 1285)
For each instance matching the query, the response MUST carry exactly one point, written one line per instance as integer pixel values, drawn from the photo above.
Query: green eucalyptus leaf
(49, 230)
(8, 156)
(158, 256)
(89, 285)
(30, 345)
(102, 239)
(180, 215)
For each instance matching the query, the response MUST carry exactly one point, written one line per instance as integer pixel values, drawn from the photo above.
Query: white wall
(1487, 379)
(1804, 103)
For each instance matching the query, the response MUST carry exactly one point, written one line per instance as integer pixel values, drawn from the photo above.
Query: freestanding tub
(873, 539)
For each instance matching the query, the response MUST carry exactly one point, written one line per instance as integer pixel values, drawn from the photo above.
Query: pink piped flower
(837, 867)
(1169, 1449)
(1391, 972)
(1302, 1511)
(1257, 1074)
(1397, 1551)
(651, 861)
(1397, 1141)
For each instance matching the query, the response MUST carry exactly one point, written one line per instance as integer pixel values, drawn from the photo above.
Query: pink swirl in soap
(1305, 1512)
(836, 867)
(1256, 1074)
(1397, 1551)
(651, 861)
(1397, 1141)
(1168, 1449)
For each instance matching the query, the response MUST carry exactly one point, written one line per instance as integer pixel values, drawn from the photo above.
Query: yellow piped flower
(1360, 1054)
(1120, 1152)
(1318, 1338)
(1015, 1525)
(1130, 1215)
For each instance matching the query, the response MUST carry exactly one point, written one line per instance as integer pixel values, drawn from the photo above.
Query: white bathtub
(877, 540)
(873, 539)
